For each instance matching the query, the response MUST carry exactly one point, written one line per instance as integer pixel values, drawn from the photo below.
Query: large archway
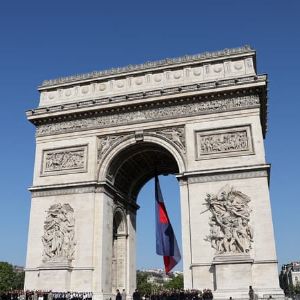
(101, 136)
(128, 170)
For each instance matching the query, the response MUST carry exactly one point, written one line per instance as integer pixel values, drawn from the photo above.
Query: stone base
(244, 294)
(233, 276)
(57, 263)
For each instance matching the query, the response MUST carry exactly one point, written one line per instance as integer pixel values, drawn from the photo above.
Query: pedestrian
(251, 293)
(123, 294)
(118, 295)
(136, 295)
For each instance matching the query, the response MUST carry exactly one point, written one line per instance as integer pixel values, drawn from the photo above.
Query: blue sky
(47, 39)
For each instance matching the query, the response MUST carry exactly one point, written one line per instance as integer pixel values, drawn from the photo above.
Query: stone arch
(202, 117)
(126, 167)
(119, 222)
(119, 249)
(164, 158)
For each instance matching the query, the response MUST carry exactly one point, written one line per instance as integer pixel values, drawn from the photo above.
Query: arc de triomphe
(101, 136)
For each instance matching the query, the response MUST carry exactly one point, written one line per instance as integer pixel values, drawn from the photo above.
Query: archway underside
(138, 163)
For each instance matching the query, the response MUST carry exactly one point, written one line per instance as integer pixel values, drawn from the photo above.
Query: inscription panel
(64, 160)
(224, 142)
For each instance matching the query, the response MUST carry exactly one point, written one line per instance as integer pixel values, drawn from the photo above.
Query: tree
(297, 288)
(143, 285)
(175, 283)
(10, 279)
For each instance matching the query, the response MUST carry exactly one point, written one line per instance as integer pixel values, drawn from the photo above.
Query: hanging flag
(166, 243)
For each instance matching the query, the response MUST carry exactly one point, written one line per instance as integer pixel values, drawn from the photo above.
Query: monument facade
(101, 136)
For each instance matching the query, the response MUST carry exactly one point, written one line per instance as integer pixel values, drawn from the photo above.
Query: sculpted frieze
(230, 230)
(224, 142)
(64, 160)
(149, 114)
(59, 233)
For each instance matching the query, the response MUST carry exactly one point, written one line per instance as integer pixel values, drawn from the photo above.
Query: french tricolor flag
(166, 243)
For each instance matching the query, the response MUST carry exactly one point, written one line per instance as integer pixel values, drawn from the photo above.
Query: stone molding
(174, 135)
(146, 114)
(57, 267)
(232, 259)
(223, 142)
(255, 262)
(224, 177)
(150, 65)
(64, 160)
(224, 174)
(161, 79)
(95, 187)
(82, 188)
(57, 191)
(145, 95)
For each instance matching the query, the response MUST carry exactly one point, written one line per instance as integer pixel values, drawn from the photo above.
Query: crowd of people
(177, 295)
(166, 294)
(45, 295)
(155, 295)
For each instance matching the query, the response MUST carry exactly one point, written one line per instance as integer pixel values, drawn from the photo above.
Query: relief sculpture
(149, 114)
(176, 135)
(59, 231)
(230, 231)
(106, 143)
(224, 142)
(64, 160)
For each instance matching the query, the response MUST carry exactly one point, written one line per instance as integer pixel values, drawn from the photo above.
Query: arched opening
(147, 259)
(136, 164)
(128, 171)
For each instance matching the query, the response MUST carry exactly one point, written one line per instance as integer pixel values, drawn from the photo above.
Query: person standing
(251, 293)
(118, 295)
(136, 295)
(123, 294)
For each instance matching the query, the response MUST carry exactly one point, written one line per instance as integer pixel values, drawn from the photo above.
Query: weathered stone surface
(103, 135)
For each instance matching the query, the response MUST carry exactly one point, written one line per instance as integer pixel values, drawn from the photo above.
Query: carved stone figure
(175, 135)
(137, 116)
(105, 143)
(224, 142)
(230, 229)
(64, 160)
(59, 232)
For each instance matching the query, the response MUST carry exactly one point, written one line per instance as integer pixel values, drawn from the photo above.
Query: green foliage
(297, 289)
(147, 288)
(9, 278)
(142, 285)
(175, 283)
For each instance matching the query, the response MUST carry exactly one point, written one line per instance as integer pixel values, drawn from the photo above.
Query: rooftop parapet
(167, 73)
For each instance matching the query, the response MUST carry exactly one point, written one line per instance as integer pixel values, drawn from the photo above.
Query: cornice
(84, 110)
(152, 95)
(82, 188)
(224, 174)
(168, 62)
(161, 110)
